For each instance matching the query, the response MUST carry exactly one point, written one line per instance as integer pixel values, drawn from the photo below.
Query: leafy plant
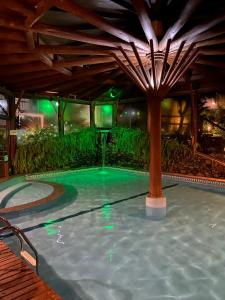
(43, 150)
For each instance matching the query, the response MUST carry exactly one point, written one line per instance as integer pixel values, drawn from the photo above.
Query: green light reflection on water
(103, 172)
(49, 226)
(108, 226)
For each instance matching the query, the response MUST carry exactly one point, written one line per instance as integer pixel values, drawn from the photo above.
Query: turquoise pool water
(102, 247)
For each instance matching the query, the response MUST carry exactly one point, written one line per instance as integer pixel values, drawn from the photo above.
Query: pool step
(7, 193)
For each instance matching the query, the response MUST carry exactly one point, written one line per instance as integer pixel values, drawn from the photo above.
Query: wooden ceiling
(69, 46)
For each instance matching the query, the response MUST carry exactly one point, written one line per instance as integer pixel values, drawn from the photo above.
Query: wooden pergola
(82, 47)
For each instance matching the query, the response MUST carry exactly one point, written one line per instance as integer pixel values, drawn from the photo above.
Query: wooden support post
(92, 114)
(155, 202)
(194, 118)
(60, 118)
(12, 126)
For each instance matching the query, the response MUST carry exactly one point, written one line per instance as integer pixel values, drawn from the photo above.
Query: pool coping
(196, 180)
(58, 190)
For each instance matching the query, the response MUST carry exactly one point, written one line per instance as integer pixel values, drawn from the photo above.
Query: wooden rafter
(145, 76)
(40, 10)
(153, 75)
(180, 64)
(142, 10)
(197, 30)
(76, 36)
(45, 58)
(91, 38)
(17, 58)
(210, 62)
(78, 75)
(176, 27)
(132, 66)
(172, 66)
(186, 65)
(92, 18)
(164, 65)
(18, 6)
(129, 72)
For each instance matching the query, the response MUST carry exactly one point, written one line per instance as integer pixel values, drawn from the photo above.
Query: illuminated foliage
(43, 150)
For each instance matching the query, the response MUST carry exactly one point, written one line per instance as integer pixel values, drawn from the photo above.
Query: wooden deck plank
(12, 282)
(20, 287)
(12, 262)
(13, 276)
(18, 281)
(31, 290)
(8, 257)
(7, 275)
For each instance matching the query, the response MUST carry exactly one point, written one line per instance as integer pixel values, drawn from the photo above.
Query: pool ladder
(23, 240)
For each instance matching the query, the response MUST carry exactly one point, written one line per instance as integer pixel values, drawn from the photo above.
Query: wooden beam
(69, 34)
(185, 15)
(131, 74)
(140, 64)
(13, 47)
(73, 50)
(180, 64)
(30, 40)
(62, 32)
(141, 8)
(172, 66)
(211, 42)
(31, 45)
(28, 77)
(23, 68)
(45, 57)
(153, 75)
(62, 70)
(72, 85)
(211, 51)
(165, 62)
(101, 23)
(197, 30)
(17, 59)
(210, 34)
(78, 75)
(11, 35)
(11, 22)
(18, 6)
(188, 62)
(83, 61)
(40, 8)
(138, 74)
(210, 62)
(83, 50)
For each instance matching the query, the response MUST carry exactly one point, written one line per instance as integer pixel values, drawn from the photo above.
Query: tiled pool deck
(102, 247)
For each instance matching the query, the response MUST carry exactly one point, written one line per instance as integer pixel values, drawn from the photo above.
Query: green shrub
(43, 150)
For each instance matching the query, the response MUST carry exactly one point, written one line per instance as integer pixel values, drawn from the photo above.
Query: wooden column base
(155, 208)
(5, 169)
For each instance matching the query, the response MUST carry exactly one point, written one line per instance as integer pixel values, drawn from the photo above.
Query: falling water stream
(104, 134)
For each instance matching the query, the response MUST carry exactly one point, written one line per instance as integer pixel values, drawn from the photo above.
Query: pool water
(101, 246)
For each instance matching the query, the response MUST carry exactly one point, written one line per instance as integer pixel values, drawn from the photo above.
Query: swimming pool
(101, 246)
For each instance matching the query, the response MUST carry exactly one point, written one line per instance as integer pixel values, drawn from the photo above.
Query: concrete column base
(156, 208)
